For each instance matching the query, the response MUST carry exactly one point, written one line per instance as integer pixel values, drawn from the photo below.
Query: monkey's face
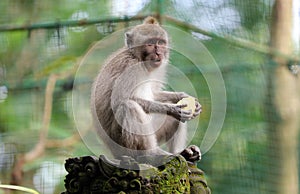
(154, 52)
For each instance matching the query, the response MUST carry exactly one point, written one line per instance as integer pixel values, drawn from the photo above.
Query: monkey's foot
(191, 154)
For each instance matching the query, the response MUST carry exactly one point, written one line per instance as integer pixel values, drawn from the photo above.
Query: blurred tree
(284, 107)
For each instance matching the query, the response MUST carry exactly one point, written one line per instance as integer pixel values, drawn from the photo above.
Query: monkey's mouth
(156, 62)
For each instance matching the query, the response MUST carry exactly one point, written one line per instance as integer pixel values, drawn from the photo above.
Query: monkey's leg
(178, 142)
(174, 133)
(137, 134)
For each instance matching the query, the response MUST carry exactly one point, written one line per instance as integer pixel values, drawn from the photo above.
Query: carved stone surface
(90, 175)
(197, 180)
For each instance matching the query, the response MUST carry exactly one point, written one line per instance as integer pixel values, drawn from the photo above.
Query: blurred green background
(237, 162)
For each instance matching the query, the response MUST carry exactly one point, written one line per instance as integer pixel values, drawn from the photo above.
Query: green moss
(171, 177)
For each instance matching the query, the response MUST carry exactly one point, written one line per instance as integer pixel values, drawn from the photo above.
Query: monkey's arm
(166, 96)
(174, 110)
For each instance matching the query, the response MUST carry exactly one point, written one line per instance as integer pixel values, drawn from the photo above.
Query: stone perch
(173, 174)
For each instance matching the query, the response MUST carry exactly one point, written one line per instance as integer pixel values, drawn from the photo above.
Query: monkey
(132, 112)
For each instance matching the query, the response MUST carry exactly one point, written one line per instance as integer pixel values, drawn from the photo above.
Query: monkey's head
(148, 42)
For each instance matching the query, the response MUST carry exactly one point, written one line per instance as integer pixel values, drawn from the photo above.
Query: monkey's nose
(159, 55)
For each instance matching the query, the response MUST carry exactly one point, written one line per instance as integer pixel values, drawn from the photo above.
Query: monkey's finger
(186, 112)
(186, 115)
(191, 153)
(195, 149)
(198, 109)
(178, 113)
(181, 105)
(194, 158)
(197, 103)
(197, 112)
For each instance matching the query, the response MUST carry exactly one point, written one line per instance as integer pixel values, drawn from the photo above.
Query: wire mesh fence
(42, 38)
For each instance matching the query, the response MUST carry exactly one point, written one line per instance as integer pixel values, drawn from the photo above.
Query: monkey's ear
(128, 39)
(150, 20)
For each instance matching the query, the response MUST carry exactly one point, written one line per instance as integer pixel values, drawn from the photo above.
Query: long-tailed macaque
(131, 111)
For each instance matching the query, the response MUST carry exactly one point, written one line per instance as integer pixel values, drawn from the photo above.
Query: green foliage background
(235, 164)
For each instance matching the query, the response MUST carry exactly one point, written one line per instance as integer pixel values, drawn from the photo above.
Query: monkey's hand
(198, 108)
(178, 113)
(192, 104)
(180, 96)
(191, 153)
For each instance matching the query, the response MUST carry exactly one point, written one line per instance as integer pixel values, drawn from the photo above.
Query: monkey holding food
(130, 110)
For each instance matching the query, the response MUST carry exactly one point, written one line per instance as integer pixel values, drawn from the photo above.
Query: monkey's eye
(155, 41)
(161, 42)
(151, 42)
